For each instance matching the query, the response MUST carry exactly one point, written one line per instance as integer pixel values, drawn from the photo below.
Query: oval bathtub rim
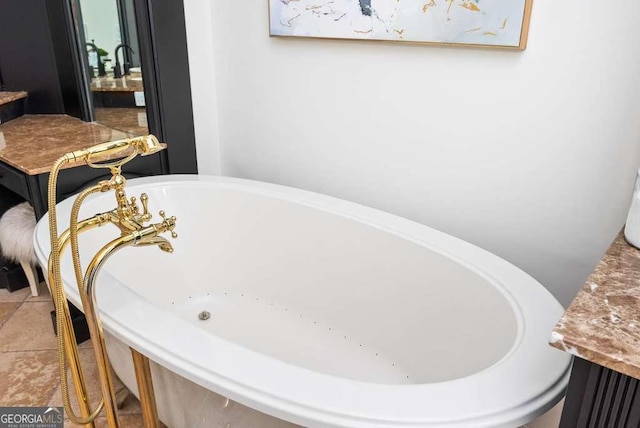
(256, 397)
(311, 199)
(172, 359)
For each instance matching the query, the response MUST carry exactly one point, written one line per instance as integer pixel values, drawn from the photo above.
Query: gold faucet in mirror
(135, 230)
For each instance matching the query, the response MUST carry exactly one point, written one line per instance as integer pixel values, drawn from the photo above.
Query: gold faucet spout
(161, 242)
(166, 247)
(150, 236)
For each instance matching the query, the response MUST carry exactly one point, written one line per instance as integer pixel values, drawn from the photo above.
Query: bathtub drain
(204, 315)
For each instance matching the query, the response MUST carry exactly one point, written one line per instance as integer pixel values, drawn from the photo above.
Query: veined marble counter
(602, 324)
(133, 120)
(7, 97)
(129, 83)
(32, 143)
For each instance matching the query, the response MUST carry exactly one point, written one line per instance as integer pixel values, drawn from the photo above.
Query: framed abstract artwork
(485, 23)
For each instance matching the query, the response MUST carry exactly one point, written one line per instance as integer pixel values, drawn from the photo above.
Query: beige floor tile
(91, 377)
(56, 401)
(16, 296)
(92, 381)
(551, 419)
(7, 309)
(129, 421)
(28, 378)
(129, 413)
(44, 295)
(85, 345)
(29, 329)
(126, 418)
(131, 406)
(126, 421)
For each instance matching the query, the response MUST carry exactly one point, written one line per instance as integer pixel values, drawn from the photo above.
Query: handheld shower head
(124, 150)
(149, 145)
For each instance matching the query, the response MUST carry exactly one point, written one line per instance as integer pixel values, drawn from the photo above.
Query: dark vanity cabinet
(600, 397)
(600, 328)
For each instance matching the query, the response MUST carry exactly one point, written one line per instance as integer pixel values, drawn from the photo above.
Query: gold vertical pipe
(145, 389)
(95, 326)
(104, 368)
(88, 296)
(73, 359)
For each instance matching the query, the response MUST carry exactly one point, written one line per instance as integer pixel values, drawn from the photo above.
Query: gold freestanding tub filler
(135, 230)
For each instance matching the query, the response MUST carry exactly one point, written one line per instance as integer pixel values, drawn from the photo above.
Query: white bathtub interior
(341, 298)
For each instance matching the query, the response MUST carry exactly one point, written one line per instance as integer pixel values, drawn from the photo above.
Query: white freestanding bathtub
(324, 313)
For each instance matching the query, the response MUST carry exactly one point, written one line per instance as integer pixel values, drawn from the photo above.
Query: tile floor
(29, 373)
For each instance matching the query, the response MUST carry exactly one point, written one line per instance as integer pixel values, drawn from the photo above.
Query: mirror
(160, 30)
(111, 59)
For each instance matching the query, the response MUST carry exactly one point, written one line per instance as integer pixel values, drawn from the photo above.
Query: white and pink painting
(466, 22)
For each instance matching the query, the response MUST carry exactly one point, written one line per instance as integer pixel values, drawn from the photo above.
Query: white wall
(197, 15)
(531, 155)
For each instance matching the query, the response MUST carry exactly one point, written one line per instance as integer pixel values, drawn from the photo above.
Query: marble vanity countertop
(602, 324)
(32, 143)
(130, 83)
(133, 120)
(6, 97)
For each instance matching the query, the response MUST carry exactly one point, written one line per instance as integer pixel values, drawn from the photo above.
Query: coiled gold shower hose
(63, 325)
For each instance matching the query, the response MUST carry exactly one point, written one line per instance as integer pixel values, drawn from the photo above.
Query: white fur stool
(16, 240)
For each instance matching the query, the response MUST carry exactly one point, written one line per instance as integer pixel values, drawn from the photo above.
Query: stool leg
(32, 277)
